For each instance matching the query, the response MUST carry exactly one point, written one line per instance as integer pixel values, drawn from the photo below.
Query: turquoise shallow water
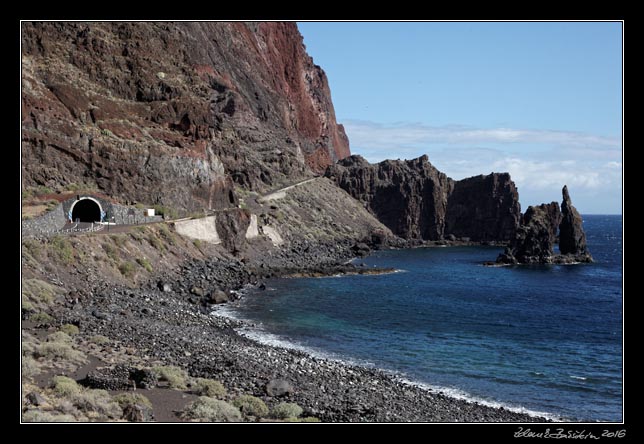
(542, 338)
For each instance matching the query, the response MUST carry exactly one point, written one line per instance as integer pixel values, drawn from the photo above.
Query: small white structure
(149, 212)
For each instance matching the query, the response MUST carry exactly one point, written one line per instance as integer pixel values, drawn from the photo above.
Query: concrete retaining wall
(204, 229)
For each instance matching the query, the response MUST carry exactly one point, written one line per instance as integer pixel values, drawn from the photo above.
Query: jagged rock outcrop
(535, 238)
(483, 208)
(173, 113)
(572, 238)
(409, 196)
(418, 202)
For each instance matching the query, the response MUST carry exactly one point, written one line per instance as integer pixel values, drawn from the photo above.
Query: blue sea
(544, 339)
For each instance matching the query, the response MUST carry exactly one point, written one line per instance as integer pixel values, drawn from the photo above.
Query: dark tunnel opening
(86, 210)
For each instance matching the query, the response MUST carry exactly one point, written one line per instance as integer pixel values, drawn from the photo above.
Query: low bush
(251, 406)
(111, 251)
(167, 234)
(62, 248)
(59, 336)
(285, 410)
(176, 377)
(29, 367)
(126, 399)
(208, 387)
(207, 409)
(69, 329)
(127, 269)
(156, 242)
(97, 401)
(41, 318)
(99, 340)
(145, 263)
(64, 387)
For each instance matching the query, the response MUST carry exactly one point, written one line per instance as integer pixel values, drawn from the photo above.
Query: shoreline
(173, 326)
(250, 330)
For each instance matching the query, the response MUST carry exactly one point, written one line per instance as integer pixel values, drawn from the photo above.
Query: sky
(542, 101)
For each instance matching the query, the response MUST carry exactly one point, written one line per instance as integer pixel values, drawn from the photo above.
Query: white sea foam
(256, 333)
(455, 393)
(581, 378)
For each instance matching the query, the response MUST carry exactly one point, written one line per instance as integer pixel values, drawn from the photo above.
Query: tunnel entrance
(86, 210)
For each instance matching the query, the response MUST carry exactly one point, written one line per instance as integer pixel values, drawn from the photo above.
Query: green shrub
(98, 401)
(59, 351)
(208, 387)
(119, 239)
(286, 410)
(167, 234)
(41, 318)
(251, 406)
(40, 416)
(70, 329)
(176, 377)
(111, 251)
(166, 212)
(59, 336)
(145, 263)
(156, 242)
(62, 248)
(106, 132)
(99, 340)
(126, 399)
(127, 269)
(62, 386)
(207, 409)
(29, 367)
(27, 306)
(197, 243)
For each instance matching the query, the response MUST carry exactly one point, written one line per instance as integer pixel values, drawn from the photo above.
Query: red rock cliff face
(173, 113)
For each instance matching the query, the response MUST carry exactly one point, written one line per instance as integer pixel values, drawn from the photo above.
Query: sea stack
(535, 238)
(572, 239)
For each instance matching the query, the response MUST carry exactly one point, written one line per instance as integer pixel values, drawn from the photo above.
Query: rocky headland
(417, 202)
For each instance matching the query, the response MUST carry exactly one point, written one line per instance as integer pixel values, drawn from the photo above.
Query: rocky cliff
(173, 113)
(536, 236)
(483, 208)
(418, 202)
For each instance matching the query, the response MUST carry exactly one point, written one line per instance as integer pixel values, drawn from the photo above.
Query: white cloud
(539, 161)
(374, 137)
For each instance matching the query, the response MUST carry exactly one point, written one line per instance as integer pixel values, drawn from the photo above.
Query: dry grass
(176, 377)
